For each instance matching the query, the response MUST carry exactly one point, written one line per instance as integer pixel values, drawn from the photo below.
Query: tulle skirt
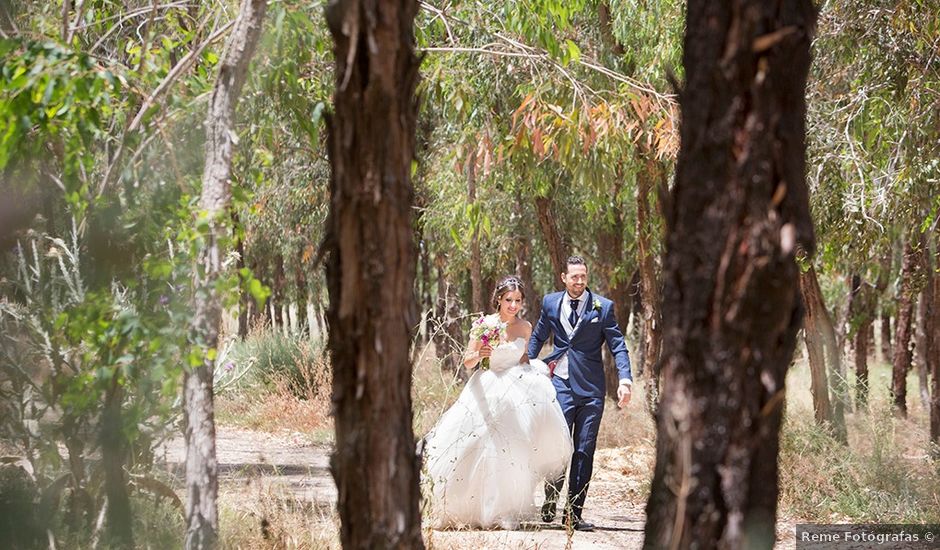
(490, 451)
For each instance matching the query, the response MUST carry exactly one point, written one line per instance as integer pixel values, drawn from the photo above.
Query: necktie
(573, 317)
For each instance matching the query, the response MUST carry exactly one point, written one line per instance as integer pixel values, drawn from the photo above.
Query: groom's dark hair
(574, 260)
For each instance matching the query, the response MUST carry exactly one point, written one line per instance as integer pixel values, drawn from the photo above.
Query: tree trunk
(843, 313)
(523, 242)
(884, 275)
(813, 335)
(636, 296)
(925, 343)
(860, 314)
(886, 349)
(610, 265)
(835, 368)
(477, 299)
(447, 335)
(902, 336)
(731, 302)
(607, 29)
(201, 467)
(934, 355)
(371, 270)
(861, 364)
(557, 249)
(427, 299)
(922, 343)
(120, 532)
(245, 298)
(649, 284)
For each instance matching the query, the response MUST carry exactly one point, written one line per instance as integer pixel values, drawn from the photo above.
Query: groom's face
(575, 279)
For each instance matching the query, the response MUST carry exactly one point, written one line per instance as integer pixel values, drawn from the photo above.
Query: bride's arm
(476, 351)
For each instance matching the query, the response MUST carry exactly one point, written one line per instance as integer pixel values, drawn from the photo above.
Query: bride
(505, 434)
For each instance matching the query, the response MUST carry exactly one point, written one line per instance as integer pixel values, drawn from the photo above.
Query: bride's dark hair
(507, 284)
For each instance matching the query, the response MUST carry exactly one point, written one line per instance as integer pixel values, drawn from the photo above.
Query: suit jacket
(596, 326)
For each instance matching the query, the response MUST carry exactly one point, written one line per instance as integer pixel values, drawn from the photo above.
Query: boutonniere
(597, 304)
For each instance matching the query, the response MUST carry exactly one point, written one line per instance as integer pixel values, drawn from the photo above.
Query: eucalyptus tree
(873, 133)
(371, 261)
(736, 215)
(214, 203)
(282, 171)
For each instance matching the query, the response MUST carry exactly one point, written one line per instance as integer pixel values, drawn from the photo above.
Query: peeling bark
(731, 303)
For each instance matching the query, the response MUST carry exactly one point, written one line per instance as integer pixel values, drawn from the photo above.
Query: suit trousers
(583, 415)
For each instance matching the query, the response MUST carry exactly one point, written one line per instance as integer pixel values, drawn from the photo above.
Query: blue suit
(581, 396)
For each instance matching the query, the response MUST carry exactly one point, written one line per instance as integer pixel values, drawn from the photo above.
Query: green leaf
(574, 52)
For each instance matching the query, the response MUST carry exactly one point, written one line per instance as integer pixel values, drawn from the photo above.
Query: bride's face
(510, 303)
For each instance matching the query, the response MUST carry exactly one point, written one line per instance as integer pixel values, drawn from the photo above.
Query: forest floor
(276, 490)
(259, 468)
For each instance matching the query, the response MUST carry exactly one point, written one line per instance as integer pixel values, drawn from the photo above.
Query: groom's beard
(576, 293)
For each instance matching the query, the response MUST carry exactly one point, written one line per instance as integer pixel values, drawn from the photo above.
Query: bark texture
(202, 520)
(934, 355)
(861, 315)
(731, 303)
(370, 270)
(557, 249)
(813, 335)
(651, 316)
(901, 363)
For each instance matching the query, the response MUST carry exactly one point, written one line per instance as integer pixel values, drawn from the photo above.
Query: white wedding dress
(490, 451)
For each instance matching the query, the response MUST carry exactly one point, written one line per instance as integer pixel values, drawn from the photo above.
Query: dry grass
(884, 475)
(433, 391)
(265, 515)
(296, 401)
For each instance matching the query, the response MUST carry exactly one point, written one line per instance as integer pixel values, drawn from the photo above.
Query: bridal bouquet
(489, 331)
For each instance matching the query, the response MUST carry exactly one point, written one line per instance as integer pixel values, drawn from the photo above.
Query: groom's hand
(624, 392)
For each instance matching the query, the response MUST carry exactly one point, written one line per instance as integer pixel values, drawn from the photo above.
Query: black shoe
(548, 512)
(577, 524)
(581, 525)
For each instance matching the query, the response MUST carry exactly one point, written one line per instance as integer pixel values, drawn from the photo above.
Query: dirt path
(300, 471)
(289, 463)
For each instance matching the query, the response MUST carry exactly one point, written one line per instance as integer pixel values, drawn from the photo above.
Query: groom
(580, 322)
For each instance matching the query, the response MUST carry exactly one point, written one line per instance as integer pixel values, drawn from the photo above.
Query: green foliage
(267, 358)
(872, 127)
(67, 346)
